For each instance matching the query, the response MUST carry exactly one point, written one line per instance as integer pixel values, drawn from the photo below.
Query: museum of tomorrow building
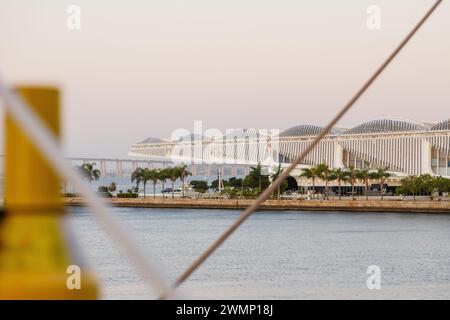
(404, 147)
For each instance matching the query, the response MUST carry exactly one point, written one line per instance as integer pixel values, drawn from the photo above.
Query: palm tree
(274, 177)
(184, 173)
(352, 177)
(88, 171)
(154, 178)
(136, 175)
(173, 175)
(112, 187)
(311, 173)
(256, 172)
(163, 176)
(326, 175)
(341, 176)
(365, 175)
(382, 174)
(146, 175)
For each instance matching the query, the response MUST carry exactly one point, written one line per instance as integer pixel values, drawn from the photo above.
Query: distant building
(404, 147)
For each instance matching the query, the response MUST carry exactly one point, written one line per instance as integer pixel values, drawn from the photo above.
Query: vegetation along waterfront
(334, 184)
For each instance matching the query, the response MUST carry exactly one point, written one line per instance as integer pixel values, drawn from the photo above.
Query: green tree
(424, 184)
(184, 173)
(146, 176)
(276, 173)
(416, 186)
(230, 192)
(365, 176)
(88, 171)
(82, 172)
(154, 178)
(199, 186)
(352, 178)
(427, 184)
(326, 174)
(112, 187)
(410, 185)
(341, 176)
(255, 179)
(215, 184)
(235, 182)
(442, 184)
(163, 176)
(136, 176)
(382, 175)
(311, 173)
(173, 175)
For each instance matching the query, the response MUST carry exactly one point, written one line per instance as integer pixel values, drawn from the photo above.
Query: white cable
(45, 141)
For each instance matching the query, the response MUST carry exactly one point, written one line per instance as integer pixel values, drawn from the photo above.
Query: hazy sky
(145, 68)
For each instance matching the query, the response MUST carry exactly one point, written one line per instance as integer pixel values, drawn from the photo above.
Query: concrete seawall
(282, 205)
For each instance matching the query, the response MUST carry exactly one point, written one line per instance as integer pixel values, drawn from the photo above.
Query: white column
(426, 157)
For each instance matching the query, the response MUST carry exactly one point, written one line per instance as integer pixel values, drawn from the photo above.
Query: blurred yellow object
(31, 182)
(34, 258)
(35, 252)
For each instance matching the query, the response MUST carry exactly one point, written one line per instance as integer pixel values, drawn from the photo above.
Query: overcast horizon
(138, 69)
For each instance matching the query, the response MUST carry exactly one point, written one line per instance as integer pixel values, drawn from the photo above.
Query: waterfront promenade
(282, 205)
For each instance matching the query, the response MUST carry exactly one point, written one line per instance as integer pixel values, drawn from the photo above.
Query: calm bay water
(277, 255)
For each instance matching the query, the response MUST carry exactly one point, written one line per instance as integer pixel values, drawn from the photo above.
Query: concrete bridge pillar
(134, 165)
(119, 169)
(102, 168)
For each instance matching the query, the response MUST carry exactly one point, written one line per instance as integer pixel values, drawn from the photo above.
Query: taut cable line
(267, 192)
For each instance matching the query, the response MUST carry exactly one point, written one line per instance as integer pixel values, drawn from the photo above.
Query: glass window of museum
(440, 162)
